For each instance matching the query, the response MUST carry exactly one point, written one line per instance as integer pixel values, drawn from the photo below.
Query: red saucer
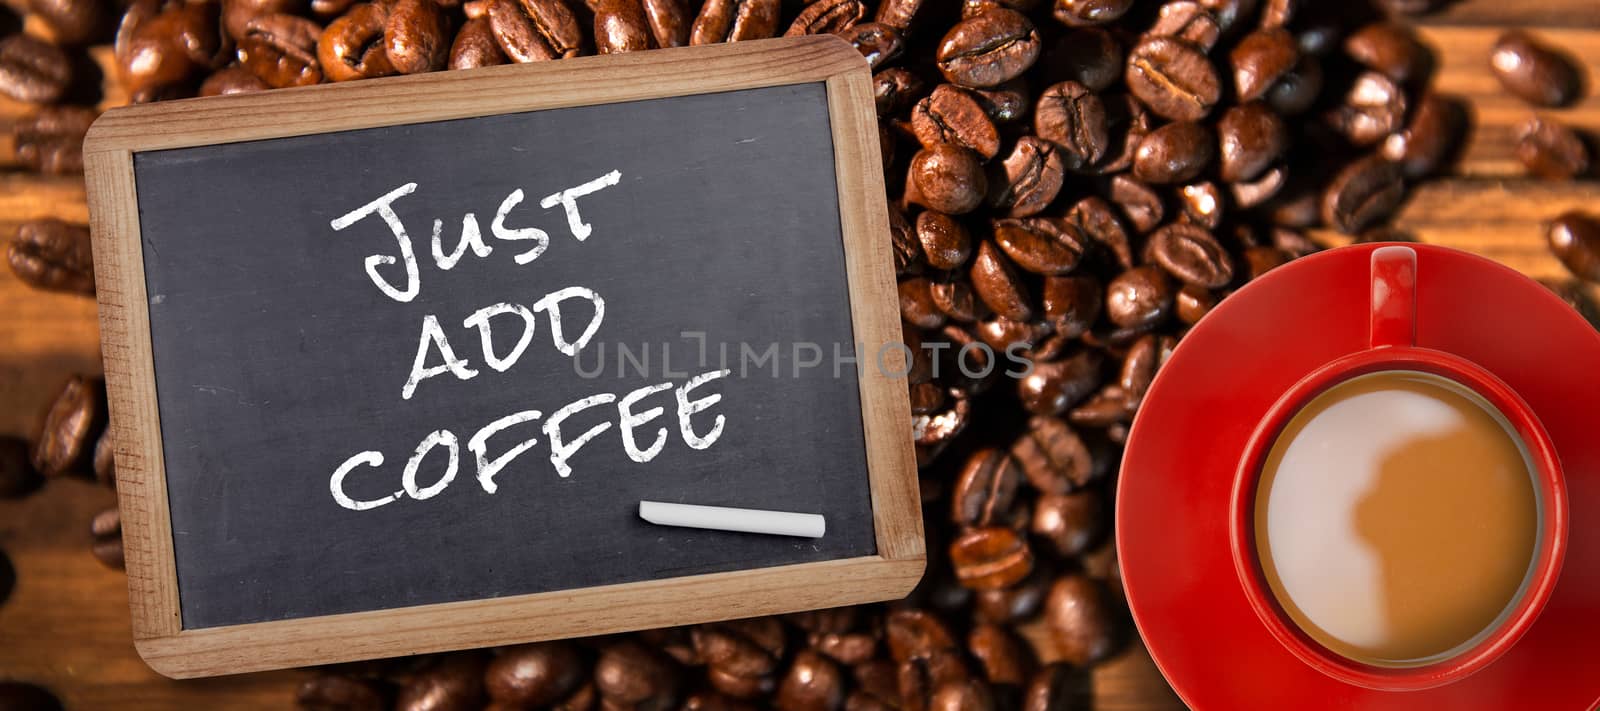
(1183, 453)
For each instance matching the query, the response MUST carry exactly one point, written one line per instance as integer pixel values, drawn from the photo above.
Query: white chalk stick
(722, 518)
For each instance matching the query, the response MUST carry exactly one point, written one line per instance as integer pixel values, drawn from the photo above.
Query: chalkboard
(428, 364)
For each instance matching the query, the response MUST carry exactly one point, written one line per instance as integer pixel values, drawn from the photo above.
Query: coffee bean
(1089, 56)
(1173, 78)
(916, 634)
(33, 70)
(712, 701)
(878, 43)
(1263, 259)
(106, 531)
(72, 22)
(1042, 245)
(1174, 153)
(1251, 138)
(1074, 119)
(1072, 303)
(949, 179)
(536, 30)
(990, 558)
(1410, 7)
(1191, 254)
(1071, 522)
(631, 675)
(1194, 302)
(1081, 620)
(735, 21)
(945, 243)
(1362, 193)
(71, 426)
(1533, 71)
(1140, 298)
(417, 36)
(351, 47)
(1374, 108)
(621, 26)
(917, 306)
(533, 674)
(919, 681)
(895, 88)
(1057, 686)
(160, 50)
(233, 80)
(1203, 204)
(899, 14)
(22, 696)
(1028, 179)
(988, 49)
(1054, 386)
(17, 476)
(53, 255)
(1127, 123)
(104, 460)
(1574, 238)
(328, 691)
(1297, 91)
(51, 140)
(950, 115)
(998, 285)
(1430, 140)
(848, 649)
(1004, 658)
(985, 490)
(1551, 150)
(903, 244)
(1188, 21)
(281, 50)
(827, 17)
(475, 46)
(813, 683)
(1053, 457)
(1391, 49)
(669, 22)
(961, 695)
(1107, 408)
(1004, 103)
(1090, 12)
(1231, 13)
(1252, 193)
(1261, 59)
(237, 14)
(452, 682)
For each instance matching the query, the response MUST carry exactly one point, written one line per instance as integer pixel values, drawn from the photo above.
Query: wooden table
(66, 623)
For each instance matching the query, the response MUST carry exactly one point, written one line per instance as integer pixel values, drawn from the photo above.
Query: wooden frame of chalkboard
(159, 634)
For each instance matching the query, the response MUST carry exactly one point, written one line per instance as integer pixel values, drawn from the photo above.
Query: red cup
(1394, 282)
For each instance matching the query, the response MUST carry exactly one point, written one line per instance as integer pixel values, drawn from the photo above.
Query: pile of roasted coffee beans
(1074, 183)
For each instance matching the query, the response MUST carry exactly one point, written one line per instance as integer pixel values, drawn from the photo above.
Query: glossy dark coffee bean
(1551, 150)
(826, 17)
(50, 141)
(351, 47)
(1090, 12)
(1391, 49)
(985, 490)
(916, 634)
(1430, 140)
(1231, 14)
(534, 674)
(1203, 204)
(1298, 90)
(1071, 523)
(997, 283)
(899, 14)
(475, 46)
(158, 49)
(417, 36)
(1072, 303)
(1574, 238)
(735, 21)
(1127, 123)
(1191, 254)
(233, 80)
(1174, 78)
(631, 675)
(1252, 193)
(1005, 103)
(1533, 71)
(1410, 7)
(53, 255)
(878, 43)
(621, 26)
(73, 22)
(1090, 56)
(337, 691)
(33, 70)
(1028, 179)
(1194, 302)
(917, 306)
(237, 14)
(22, 696)
(1362, 193)
(1251, 138)
(1072, 117)
(1261, 59)
(945, 242)
(990, 558)
(1187, 20)
(1374, 108)
(1057, 686)
(903, 245)
(894, 89)
(1140, 298)
(71, 428)
(1053, 457)
(813, 683)
(1263, 259)
(536, 30)
(1053, 387)
(1141, 205)
(1006, 660)
(1042, 245)
(1174, 153)
(950, 115)
(17, 476)
(281, 50)
(1082, 620)
(988, 49)
(452, 682)
(949, 179)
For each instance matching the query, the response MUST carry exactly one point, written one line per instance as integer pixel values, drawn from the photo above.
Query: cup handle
(1394, 296)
